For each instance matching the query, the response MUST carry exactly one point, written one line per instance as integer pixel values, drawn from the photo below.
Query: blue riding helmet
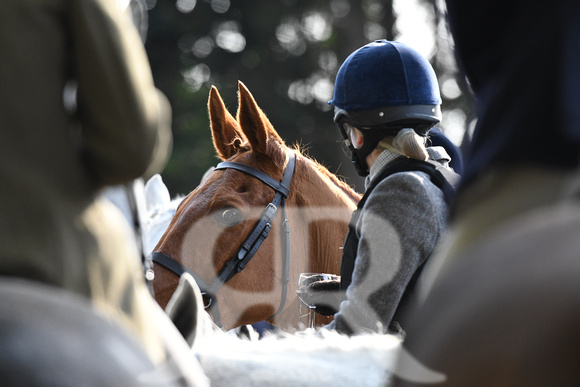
(387, 75)
(382, 88)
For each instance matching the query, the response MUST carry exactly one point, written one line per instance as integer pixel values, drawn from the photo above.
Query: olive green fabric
(53, 162)
(495, 199)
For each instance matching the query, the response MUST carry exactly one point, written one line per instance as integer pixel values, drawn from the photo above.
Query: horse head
(211, 232)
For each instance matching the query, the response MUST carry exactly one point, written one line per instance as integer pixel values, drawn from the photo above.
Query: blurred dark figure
(499, 304)
(78, 112)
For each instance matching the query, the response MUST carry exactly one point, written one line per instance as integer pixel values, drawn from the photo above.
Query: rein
(252, 243)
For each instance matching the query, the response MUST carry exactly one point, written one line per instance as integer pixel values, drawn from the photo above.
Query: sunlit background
(288, 53)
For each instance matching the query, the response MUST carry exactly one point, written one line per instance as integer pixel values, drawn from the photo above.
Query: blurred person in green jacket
(54, 160)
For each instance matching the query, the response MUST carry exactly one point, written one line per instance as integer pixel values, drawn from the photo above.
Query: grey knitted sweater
(400, 224)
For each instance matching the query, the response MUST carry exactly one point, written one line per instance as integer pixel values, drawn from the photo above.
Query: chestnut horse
(221, 223)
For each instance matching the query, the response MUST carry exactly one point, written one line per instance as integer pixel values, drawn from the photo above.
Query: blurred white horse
(147, 207)
(308, 358)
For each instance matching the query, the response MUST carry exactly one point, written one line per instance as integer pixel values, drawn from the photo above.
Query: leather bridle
(252, 243)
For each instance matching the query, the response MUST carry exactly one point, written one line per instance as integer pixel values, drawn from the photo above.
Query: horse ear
(254, 123)
(226, 134)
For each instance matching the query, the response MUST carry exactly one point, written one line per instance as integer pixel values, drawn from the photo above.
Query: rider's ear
(356, 138)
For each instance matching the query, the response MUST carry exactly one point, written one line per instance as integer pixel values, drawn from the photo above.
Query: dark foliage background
(287, 52)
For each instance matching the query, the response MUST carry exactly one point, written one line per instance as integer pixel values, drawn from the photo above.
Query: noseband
(247, 250)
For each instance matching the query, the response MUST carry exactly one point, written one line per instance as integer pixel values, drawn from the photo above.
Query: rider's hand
(325, 295)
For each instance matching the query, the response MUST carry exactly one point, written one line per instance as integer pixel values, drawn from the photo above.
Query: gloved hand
(325, 296)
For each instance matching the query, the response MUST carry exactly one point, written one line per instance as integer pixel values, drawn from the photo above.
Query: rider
(61, 144)
(386, 99)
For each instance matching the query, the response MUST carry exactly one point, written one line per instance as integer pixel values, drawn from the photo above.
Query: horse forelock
(272, 162)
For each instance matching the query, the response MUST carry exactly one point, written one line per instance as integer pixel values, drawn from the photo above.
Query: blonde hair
(408, 143)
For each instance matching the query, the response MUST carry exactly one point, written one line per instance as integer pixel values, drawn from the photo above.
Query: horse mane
(336, 180)
(277, 152)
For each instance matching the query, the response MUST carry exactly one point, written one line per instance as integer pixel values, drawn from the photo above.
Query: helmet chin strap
(358, 159)
(359, 155)
(359, 162)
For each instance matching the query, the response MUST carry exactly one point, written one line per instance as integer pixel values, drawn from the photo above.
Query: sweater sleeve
(125, 120)
(399, 227)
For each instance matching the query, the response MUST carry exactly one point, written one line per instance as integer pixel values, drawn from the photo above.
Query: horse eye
(229, 216)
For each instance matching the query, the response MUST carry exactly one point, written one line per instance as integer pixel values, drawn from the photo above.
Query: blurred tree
(287, 52)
